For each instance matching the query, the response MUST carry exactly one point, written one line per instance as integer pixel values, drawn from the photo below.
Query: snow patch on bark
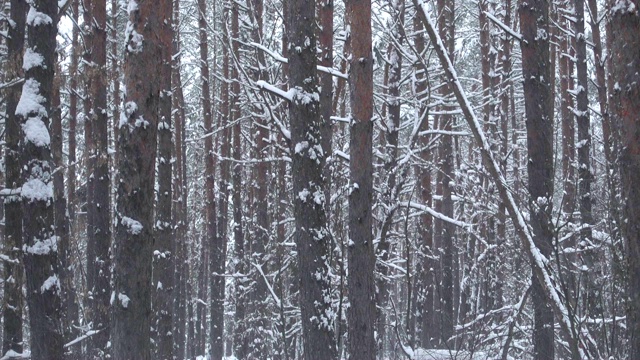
(36, 18)
(52, 283)
(31, 102)
(32, 59)
(42, 247)
(36, 132)
(134, 227)
(36, 190)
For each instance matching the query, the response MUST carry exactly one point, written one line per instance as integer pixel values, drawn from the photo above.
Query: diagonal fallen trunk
(538, 261)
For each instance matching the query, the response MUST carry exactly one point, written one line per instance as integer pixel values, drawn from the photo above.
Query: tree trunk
(427, 282)
(13, 271)
(40, 244)
(210, 240)
(592, 299)
(259, 293)
(361, 259)
(131, 305)
(534, 19)
(241, 345)
(568, 127)
(625, 26)
(446, 29)
(218, 290)
(61, 220)
(163, 253)
(313, 238)
(325, 39)
(98, 198)
(115, 73)
(180, 196)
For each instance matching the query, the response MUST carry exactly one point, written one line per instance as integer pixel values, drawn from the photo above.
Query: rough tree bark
(61, 223)
(241, 345)
(534, 19)
(40, 248)
(446, 29)
(361, 259)
(218, 269)
(625, 51)
(179, 193)
(325, 44)
(98, 198)
(210, 241)
(13, 271)
(163, 252)
(568, 125)
(259, 292)
(426, 287)
(313, 238)
(131, 297)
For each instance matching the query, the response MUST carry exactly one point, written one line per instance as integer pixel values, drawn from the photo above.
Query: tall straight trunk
(568, 126)
(446, 29)
(163, 252)
(241, 345)
(218, 290)
(593, 306)
(361, 259)
(98, 199)
(607, 134)
(210, 240)
(313, 238)
(200, 294)
(40, 244)
(534, 20)
(427, 287)
(180, 195)
(13, 271)
(115, 72)
(505, 90)
(259, 292)
(625, 51)
(191, 345)
(131, 305)
(61, 223)
(325, 41)
(73, 121)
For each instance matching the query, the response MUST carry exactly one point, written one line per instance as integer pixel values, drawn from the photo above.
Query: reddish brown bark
(131, 305)
(163, 252)
(625, 51)
(361, 259)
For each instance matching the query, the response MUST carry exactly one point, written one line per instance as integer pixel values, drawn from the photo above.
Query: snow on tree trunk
(40, 245)
(313, 239)
(131, 296)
